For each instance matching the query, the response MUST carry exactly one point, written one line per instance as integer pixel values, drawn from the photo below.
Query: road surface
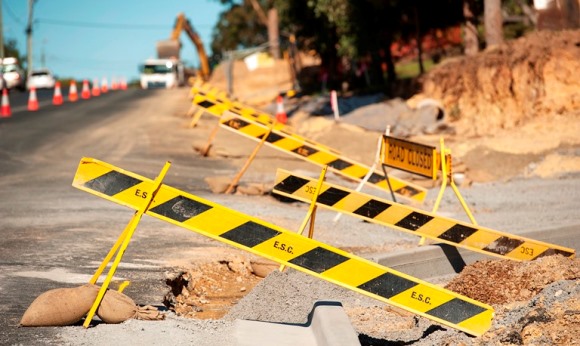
(53, 235)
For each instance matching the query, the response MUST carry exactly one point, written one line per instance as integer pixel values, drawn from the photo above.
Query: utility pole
(1, 48)
(1, 36)
(29, 37)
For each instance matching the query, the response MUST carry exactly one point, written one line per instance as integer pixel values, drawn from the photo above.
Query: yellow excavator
(170, 49)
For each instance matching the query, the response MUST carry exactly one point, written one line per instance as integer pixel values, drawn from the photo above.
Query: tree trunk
(493, 22)
(273, 35)
(470, 38)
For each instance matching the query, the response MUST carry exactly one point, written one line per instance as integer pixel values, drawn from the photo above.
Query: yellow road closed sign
(410, 156)
(283, 246)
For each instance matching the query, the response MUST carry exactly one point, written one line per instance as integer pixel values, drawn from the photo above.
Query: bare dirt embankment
(515, 111)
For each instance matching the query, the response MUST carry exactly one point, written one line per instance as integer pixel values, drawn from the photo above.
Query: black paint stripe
(305, 150)
(457, 233)
(387, 285)
(340, 164)
(503, 245)
(331, 196)
(414, 221)
(250, 234)
(551, 252)
(319, 260)
(273, 137)
(236, 123)
(407, 190)
(376, 178)
(456, 311)
(372, 208)
(206, 104)
(180, 208)
(291, 184)
(111, 183)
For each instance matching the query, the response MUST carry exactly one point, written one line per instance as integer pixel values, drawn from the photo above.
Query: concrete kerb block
(438, 260)
(327, 325)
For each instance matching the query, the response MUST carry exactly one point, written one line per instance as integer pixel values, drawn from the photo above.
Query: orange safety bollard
(96, 90)
(85, 93)
(281, 116)
(5, 112)
(57, 97)
(73, 94)
(32, 100)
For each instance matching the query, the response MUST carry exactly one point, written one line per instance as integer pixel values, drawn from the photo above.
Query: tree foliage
(11, 50)
(343, 30)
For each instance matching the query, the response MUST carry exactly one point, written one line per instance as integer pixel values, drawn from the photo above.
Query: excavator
(170, 49)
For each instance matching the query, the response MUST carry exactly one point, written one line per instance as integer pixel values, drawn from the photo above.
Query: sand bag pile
(67, 306)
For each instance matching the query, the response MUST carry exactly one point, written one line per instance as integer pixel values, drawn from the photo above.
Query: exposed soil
(516, 113)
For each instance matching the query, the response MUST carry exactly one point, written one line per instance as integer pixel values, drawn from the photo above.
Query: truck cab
(162, 74)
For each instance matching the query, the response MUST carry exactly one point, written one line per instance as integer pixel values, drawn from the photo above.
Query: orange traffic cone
(104, 85)
(85, 93)
(96, 90)
(57, 98)
(5, 112)
(73, 94)
(280, 112)
(114, 85)
(123, 84)
(32, 100)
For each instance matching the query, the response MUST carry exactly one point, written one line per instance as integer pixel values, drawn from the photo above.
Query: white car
(12, 76)
(41, 79)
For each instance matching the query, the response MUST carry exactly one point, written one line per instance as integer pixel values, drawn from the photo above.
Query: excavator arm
(171, 48)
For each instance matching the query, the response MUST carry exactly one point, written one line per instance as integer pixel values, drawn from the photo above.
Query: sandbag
(60, 307)
(116, 307)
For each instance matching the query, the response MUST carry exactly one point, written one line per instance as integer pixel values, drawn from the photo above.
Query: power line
(11, 13)
(105, 25)
(100, 25)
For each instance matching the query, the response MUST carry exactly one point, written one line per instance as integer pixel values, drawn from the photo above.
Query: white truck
(162, 73)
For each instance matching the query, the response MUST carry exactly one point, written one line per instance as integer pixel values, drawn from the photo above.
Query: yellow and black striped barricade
(320, 156)
(219, 106)
(283, 246)
(416, 221)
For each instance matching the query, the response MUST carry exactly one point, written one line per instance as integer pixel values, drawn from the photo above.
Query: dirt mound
(504, 281)
(538, 74)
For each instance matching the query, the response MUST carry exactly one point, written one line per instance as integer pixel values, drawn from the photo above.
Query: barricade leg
(130, 229)
(311, 214)
(249, 161)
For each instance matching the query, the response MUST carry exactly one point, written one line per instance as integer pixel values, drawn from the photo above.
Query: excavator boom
(171, 48)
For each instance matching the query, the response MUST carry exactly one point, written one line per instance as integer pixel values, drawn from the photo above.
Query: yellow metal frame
(311, 214)
(251, 158)
(447, 176)
(121, 245)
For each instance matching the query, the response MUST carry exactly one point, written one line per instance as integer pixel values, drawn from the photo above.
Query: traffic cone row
(57, 98)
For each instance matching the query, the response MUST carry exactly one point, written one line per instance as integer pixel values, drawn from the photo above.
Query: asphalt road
(50, 236)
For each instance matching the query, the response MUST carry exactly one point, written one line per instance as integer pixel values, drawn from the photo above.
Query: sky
(95, 39)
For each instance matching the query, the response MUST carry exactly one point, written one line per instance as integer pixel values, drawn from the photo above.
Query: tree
(470, 36)
(10, 50)
(493, 22)
(343, 32)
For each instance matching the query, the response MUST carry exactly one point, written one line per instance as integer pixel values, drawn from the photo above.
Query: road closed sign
(410, 156)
